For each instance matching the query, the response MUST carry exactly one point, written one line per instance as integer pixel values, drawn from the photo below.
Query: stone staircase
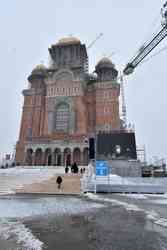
(8, 184)
(71, 185)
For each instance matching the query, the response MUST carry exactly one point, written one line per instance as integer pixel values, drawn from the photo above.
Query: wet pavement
(101, 222)
(109, 228)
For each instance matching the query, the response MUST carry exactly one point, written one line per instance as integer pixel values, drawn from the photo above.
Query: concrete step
(70, 185)
(7, 191)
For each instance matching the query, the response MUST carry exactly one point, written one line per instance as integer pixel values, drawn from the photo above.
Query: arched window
(62, 117)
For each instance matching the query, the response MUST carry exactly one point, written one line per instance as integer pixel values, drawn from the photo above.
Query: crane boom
(146, 49)
(92, 43)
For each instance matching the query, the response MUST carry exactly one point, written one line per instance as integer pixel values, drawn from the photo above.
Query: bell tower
(107, 96)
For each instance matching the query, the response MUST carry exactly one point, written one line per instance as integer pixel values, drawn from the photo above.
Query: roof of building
(68, 41)
(105, 62)
(39, 69)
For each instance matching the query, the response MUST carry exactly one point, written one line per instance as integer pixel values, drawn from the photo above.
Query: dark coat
(59, 180)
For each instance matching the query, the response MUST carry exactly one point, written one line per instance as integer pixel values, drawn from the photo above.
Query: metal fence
(93, 183)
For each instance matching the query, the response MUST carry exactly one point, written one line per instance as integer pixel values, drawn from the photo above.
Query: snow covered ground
(151, 214)
(32, 170)
(20, 233)
(14, 210)
(25, 207)
(112, 179)
(118, 184)
(115, 179)
(13, 178)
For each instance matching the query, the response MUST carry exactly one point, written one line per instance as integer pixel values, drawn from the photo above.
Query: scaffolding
(123, 103)
(141, 155)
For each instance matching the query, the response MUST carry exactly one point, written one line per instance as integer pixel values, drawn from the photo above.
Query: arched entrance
(49, 160)
(48, 157)
(57, 157)
(68, 160)
(59, 160)
(67, 157)
(85, 156)
(38, 157)
(77, 156)
(29, 157)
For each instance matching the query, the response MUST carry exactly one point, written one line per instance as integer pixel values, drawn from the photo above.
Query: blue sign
(102, 168)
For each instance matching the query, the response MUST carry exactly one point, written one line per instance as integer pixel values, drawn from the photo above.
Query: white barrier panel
(117, 184)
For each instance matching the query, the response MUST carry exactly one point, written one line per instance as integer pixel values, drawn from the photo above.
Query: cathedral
(65, 105)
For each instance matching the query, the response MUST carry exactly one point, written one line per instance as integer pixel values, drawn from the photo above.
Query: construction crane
(150, 45)
(90, 46)
(123, 106)
(94, 41)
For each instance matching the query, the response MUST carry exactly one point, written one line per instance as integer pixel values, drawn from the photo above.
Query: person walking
(59, 182)
(75, 168)
(66, 169)
(72, 168)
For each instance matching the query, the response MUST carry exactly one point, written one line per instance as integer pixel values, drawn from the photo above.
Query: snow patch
(21, 208)
(157, 195)
(160, 201)
(134, 196)
(161, 222)
(150, 215)
(129, 207)
(155, 217)
(112, 178)
(20, 233)
(11, 209)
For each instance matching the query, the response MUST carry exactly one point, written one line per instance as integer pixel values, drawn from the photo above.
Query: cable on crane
(93, 42)
(156, 54)
(150, 34)
(153, 25)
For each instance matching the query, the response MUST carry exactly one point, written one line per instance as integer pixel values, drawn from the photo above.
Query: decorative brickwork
(64, 105)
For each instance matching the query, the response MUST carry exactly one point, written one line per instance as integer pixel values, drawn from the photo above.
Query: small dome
(106, 69)
(68, 41)
(105, 61)
(39, 69)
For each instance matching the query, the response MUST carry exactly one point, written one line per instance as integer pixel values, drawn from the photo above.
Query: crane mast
(147, 48)
(124, 118)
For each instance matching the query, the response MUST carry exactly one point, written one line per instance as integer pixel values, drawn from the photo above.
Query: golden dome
(105, 60)
(39, 69)
(68, 41)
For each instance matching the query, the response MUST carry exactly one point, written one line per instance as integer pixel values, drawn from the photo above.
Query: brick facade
(64, 105)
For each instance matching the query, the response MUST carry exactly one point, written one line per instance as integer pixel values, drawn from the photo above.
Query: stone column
(62, 158)
(53, 158)
(82, 157)
(33, 158)
(25, 157)
(43, 163)
(72, 156)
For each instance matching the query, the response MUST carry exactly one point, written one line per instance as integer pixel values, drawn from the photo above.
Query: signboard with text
(102, 168)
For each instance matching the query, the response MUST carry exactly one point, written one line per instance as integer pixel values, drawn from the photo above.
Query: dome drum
(39, 72)
(105, 70)
(69, 52)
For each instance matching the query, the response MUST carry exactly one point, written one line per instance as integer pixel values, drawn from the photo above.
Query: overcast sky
(28, 28)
